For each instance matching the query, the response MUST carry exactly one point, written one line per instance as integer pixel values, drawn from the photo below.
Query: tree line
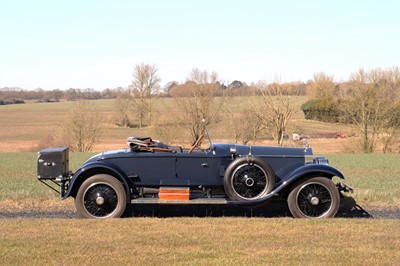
(16, 95)
(12, 95)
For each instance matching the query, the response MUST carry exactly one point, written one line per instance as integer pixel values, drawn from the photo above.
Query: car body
(151, 172)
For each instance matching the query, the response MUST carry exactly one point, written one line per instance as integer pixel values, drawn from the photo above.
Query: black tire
(317, 197)
(248, 178)
(101, 196)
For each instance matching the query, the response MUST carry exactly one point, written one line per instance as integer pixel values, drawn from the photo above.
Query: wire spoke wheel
(249, 181)
(314, 200)
(316, 197)
(248, 178)
(100, 200)
(101, 196)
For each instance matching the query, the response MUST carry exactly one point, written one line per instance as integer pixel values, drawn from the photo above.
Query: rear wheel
(101, 196)
(248, 178)
(316, 197)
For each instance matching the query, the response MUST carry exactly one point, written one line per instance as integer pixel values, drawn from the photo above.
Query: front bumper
(344, 188)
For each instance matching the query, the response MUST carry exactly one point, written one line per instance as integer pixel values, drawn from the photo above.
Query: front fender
(311, 169)
(93, 168)
(306, 170)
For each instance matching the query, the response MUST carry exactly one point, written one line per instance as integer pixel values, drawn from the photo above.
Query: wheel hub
(314, 201)
(249, 181)
(99, 200)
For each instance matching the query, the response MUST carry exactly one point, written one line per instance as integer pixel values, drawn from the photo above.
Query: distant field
(30, 127)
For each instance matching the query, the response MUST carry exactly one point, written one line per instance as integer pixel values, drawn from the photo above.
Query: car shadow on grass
(274, 209)
(350, 209)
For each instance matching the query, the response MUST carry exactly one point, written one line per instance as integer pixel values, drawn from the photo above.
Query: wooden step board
(174, 193)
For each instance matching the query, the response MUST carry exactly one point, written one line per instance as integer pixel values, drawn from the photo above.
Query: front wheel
(316, 197)
(101, 196)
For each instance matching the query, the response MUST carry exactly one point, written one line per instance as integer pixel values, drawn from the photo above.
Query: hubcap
(249, 181)
(99, 200)
(314, 201)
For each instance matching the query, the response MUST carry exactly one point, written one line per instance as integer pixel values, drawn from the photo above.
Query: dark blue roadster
(151, 172)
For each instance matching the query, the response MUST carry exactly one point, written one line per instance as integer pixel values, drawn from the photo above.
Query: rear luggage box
(53, 164)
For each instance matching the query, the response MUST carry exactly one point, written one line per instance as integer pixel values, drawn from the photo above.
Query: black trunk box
(53, 163)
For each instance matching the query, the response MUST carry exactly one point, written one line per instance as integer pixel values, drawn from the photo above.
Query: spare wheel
(248, 178)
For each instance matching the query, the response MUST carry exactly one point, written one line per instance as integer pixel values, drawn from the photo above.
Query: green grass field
(375, 177)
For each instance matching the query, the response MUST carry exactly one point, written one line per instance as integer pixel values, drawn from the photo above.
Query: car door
(148, 168)
(191, 168)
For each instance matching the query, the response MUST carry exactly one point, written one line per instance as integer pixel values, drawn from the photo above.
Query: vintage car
(151, 172)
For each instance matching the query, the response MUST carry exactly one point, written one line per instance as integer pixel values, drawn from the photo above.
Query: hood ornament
(306, 144)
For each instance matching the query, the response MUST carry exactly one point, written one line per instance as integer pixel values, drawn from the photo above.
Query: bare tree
(145, 85)
(123, 107)
(322, 86)
(245, 125)
(391, 133)
(202, 87)
(390, 136)
(369, 103)
(274, 108)
(81, 128)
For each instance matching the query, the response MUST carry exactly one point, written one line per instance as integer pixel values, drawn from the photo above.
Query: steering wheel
(196, 143)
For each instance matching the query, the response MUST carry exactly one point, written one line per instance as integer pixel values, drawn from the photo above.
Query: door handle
(204, 164)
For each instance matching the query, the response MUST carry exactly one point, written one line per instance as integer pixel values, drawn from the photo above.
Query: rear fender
(94, 168)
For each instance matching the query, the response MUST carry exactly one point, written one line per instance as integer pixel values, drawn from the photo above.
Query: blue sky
(96, 44)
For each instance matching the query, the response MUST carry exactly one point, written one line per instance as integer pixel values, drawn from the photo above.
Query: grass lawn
(200, 241)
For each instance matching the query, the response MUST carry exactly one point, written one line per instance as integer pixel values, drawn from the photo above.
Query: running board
(205, 201)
